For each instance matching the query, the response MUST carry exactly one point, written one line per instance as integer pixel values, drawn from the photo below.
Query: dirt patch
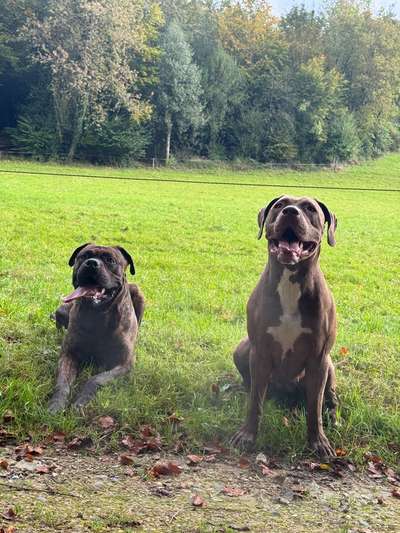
(76, 492)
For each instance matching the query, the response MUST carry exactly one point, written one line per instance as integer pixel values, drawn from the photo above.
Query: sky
(281, 7)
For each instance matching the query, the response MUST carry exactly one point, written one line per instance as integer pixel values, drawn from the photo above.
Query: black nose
(291, 210)
(92, 263)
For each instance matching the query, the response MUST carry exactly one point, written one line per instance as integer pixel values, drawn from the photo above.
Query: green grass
(197, 260)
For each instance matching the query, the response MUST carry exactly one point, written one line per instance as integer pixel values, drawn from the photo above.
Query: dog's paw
(55, 405)
(243, 439)
(322, 447)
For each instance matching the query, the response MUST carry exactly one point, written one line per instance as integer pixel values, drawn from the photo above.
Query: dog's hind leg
(97, 381)
(241, 358)
(330, 397)
(67, 372)
(137, 301)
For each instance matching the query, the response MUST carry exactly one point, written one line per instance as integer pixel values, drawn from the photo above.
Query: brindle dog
(101, 316)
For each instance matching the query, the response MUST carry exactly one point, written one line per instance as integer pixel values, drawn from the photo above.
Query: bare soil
(85, 492)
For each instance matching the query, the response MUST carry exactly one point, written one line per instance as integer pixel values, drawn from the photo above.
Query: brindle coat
(291, 318)
(100, 331)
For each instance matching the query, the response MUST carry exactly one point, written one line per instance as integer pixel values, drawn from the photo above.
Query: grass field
(197, 259)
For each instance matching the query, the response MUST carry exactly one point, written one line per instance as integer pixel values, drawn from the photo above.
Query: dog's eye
(109, 260)
(311, 208)
(278, 205)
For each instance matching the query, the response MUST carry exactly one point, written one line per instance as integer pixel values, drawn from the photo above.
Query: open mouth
(95, 294)
(289, 249)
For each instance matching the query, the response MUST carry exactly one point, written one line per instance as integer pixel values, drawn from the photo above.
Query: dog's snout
(291, 210)
(92, 263)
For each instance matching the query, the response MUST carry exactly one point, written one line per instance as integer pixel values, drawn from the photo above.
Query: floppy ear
(76, 252)
(128, 259)
(331, 220)
(262, 216)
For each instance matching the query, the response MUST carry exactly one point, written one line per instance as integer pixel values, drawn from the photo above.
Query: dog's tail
(137, 300)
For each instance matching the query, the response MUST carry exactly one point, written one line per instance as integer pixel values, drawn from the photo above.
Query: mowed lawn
(197, 260)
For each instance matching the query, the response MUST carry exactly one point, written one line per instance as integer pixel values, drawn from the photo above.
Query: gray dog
(102, 316)
(291, 318)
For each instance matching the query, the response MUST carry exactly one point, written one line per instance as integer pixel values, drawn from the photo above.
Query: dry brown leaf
(10, 514)
(197, 500)
(42, 469)
(105, 422)
(233, 491)
(4, 464)
(126, 459)
(194, 459)
(396, 493)
(165, 468)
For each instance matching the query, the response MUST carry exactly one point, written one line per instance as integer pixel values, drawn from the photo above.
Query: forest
(119, 81)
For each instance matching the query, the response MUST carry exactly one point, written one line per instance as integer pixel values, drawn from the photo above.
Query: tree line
(114, 81)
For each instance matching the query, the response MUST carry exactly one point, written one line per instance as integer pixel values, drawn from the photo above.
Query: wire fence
(198, 182)
(198, 163)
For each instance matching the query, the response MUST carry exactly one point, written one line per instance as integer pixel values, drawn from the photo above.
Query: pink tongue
(80, 292)
(292, 247)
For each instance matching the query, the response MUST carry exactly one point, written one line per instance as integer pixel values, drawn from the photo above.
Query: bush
(119, 141)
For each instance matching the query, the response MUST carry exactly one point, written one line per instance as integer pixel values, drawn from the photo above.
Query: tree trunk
(168, 122)
(78, 128)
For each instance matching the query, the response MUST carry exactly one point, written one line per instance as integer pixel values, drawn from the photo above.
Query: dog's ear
(262, 216)
(128, 259)
(71, 261)
(332, 222)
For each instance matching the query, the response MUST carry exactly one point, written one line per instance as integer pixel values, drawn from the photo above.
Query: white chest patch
(290, 328)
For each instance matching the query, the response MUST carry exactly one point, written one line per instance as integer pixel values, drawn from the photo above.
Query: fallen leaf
(233, 491)
(42, 469)
(168, 468)
(10, 514)
(79, 442)
(265, 471)
(194, 459)
(373, 458)
(215, 389)
(128, 441)
(380, 500)
(3, 464)
(340, 452)
(262, 458)
(396, 493)
(105, 422)
(8, 529)
(344, 351)
(126, 459)
(58, 437)
(197, 501)
(244, 462)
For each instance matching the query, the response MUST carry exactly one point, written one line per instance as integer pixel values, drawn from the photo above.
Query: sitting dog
(101, 316)
(291, 318)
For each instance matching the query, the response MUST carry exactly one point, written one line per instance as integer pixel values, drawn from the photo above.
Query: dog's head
(99, 272)
(295, 226)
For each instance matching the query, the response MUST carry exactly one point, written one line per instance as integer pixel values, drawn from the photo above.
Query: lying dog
(101, 316)
(291, 318)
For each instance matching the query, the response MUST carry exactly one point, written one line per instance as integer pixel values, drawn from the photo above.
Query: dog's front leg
(91, 386)
(260, 372)
(316, 377)
(67, 372)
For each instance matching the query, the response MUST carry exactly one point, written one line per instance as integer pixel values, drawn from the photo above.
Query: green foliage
(118, 141)
(212, 79)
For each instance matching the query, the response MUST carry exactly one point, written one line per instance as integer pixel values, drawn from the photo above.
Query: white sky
(281, 7)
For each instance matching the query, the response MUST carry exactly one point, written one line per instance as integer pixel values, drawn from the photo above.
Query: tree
(87, 48)
(179, 90)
